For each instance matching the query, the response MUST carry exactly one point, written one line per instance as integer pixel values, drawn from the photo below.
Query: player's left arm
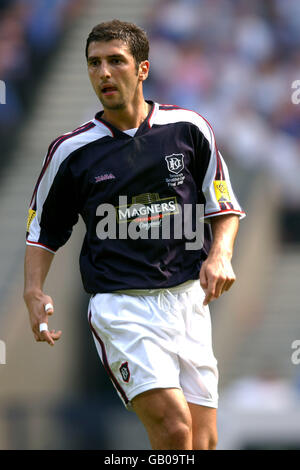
(216, 274)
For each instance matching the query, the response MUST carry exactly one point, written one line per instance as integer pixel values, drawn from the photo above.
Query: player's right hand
(36, 302)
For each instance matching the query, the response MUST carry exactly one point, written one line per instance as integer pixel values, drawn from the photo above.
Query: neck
(128, 118)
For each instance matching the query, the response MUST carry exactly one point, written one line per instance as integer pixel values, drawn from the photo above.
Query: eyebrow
(112, 56)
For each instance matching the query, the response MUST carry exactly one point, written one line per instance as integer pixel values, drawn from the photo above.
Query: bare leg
(204, 427)
(166, 417)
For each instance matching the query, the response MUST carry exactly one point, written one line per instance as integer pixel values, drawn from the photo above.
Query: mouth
(108, 90)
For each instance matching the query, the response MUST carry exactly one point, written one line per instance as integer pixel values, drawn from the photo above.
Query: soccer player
(136, 174)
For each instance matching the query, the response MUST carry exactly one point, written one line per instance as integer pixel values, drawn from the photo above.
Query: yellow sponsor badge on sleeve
(221, 191)
(31, 216)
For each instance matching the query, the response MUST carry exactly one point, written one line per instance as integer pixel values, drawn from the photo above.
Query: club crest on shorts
(124, 370)
(175, 162)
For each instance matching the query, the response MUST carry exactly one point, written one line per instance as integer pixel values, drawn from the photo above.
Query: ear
(143, 70)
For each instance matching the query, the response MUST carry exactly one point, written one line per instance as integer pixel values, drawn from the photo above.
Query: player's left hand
(216, 277)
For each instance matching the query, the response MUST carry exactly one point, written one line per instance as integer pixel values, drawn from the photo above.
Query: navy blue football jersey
(125, 188)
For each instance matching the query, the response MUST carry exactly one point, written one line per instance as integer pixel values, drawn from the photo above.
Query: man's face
(113, 73)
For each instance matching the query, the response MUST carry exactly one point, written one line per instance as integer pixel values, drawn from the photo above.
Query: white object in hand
(48, 307)
(43, 327)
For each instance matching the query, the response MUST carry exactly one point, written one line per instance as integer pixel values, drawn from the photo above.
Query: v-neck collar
(144, 127)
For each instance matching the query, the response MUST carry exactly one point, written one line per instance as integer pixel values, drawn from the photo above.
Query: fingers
(46, 335)
(50, 336)
(49, 309)
(209, 296)
(40, 330)
(216, 285)
(203, 278)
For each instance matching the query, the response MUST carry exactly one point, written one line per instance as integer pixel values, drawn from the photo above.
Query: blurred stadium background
(232, 61)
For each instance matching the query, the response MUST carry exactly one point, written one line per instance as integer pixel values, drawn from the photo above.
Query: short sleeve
(53, 210)
(214, 181)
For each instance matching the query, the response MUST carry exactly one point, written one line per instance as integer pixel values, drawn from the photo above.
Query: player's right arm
(36, 267)
(52, 214)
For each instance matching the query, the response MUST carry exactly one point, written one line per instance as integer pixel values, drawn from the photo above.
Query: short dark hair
(131, 34)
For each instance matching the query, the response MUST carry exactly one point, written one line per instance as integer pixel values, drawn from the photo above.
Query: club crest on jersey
(175, 162)
(124, 370)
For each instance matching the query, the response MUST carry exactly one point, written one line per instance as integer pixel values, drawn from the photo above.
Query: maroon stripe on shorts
(106, 364)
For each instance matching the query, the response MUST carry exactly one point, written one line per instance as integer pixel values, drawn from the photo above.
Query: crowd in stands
(234, 62)
(30, 31)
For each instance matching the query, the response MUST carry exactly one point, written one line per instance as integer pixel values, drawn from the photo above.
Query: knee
(173, 433)
(166, 417)
(212, 443)
(178, 434)
(205, 442)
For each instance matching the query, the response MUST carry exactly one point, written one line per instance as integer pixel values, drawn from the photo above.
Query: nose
(104, 71)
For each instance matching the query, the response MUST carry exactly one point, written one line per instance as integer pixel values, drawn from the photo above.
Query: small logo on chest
(175, 162)
(104, 177)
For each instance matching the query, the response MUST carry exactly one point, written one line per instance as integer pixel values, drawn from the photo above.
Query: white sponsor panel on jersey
(151, 220)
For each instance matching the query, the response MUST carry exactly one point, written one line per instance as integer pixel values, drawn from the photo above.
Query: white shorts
(159, 338)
